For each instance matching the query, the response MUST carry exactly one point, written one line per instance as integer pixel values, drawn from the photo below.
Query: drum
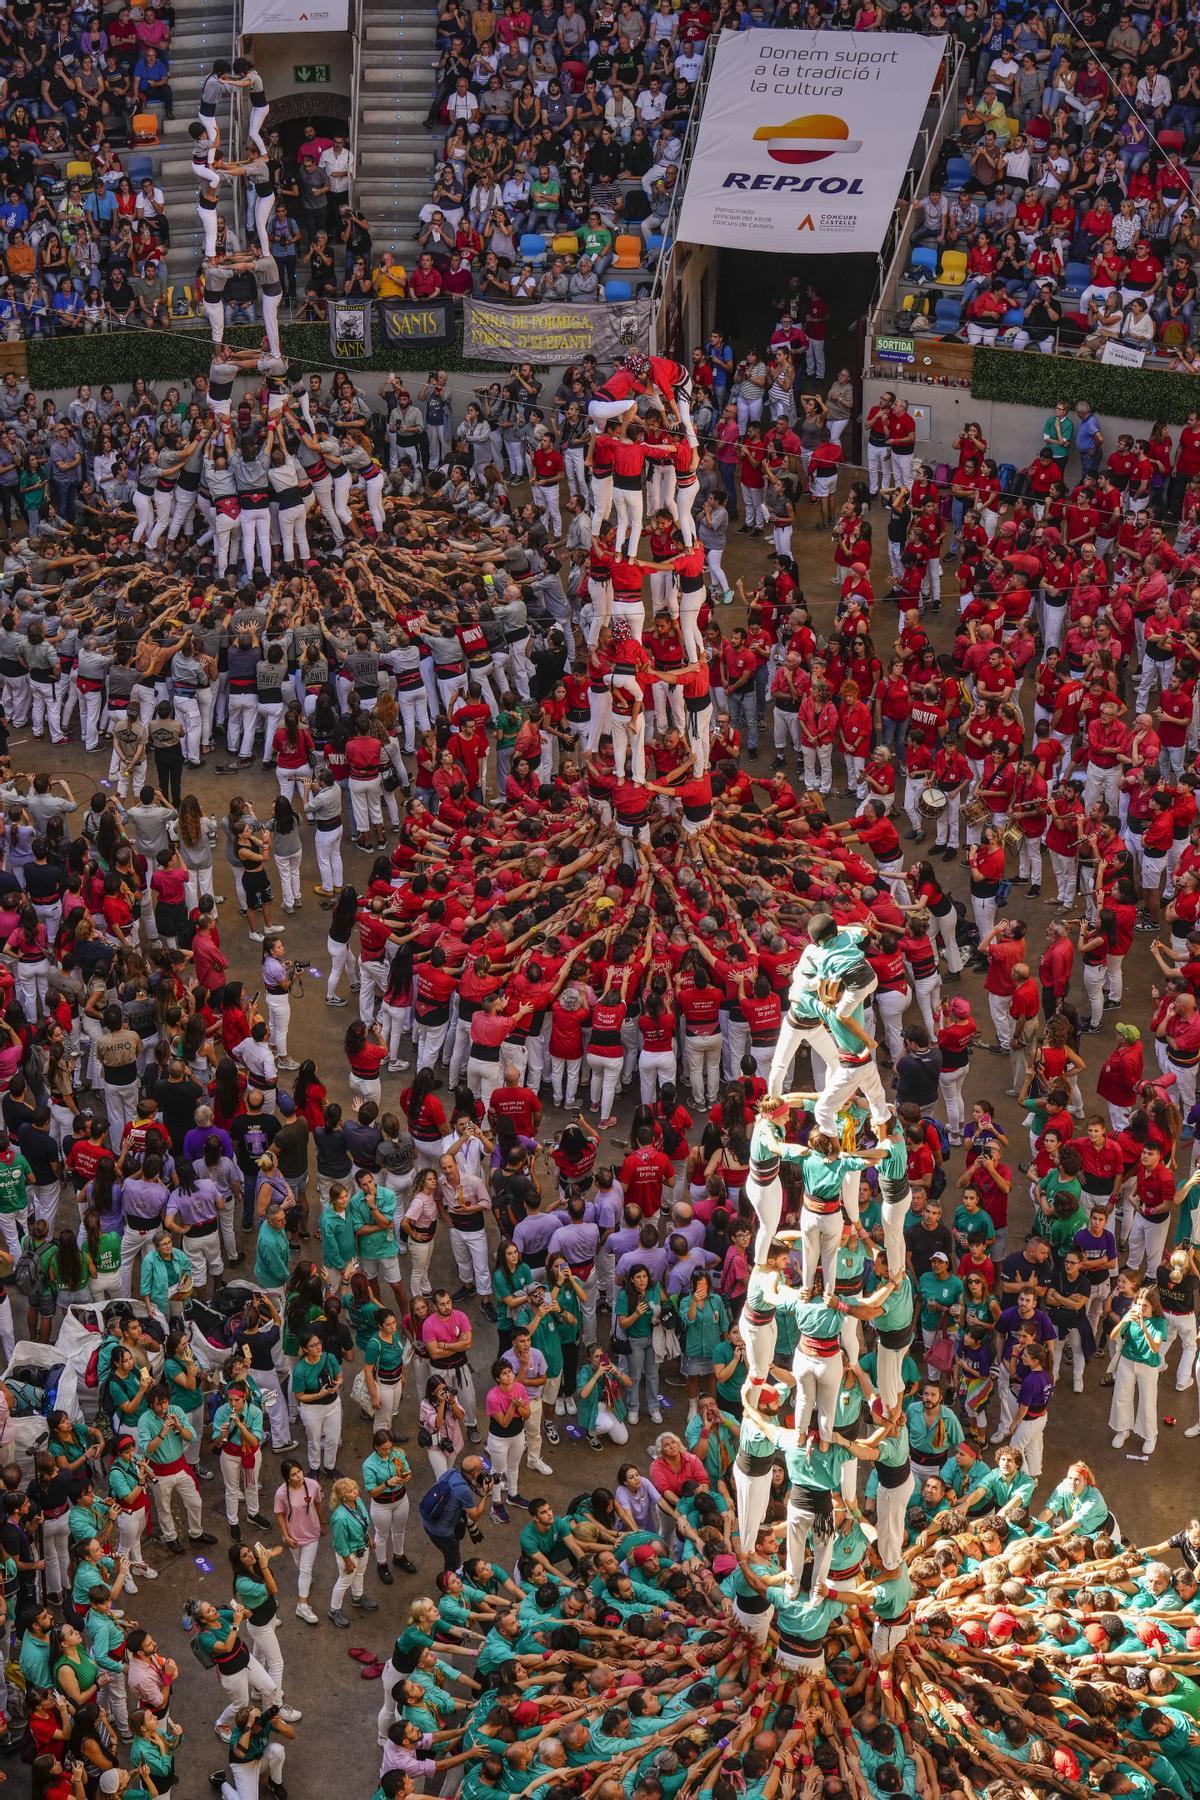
(976, 812)
(932, 801)
(1012, 837)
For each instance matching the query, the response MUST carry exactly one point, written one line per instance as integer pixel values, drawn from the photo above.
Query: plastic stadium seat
(574, 74)
(627, 252)
(532, 247)
(140, 168)
(923, 261)
(565, 244)
(1076, 276)
(1171, 141)
(144, 128)
(616, 289)
(79, 171)
(1014, 316)
(947, 314)
(654, 245)
(958, 172)
(953, 272)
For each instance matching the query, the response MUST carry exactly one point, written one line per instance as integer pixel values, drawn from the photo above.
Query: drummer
(918, 774)
(951, 779)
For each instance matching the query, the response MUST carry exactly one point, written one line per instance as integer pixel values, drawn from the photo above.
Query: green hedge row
(1149, 394)
(177, 355)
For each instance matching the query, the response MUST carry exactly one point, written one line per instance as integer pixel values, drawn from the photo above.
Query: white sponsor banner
(295, 15)
(804, 139)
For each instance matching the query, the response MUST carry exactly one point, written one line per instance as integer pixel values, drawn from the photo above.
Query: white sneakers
(304, 1611)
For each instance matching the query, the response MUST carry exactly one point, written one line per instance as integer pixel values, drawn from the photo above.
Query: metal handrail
(666, 256)
(916, 183)
(355, 96)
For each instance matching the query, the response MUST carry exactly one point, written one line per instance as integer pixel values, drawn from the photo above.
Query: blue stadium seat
(958, 172)
(532, 248)
(947, 314)
(617, 289)
(923, 261)
(1076, 277)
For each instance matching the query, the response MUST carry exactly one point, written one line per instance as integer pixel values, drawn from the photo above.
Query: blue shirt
(441, 1508)
(1086, 433)
(101, 207)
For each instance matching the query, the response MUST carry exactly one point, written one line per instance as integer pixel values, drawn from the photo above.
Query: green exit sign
(311, 74)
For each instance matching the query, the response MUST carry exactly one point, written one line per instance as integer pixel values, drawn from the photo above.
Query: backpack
(201, 1652)
(437, 1505)
(29, 1276)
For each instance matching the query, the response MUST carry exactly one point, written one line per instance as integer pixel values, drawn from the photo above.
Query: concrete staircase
(203, 31)
(394, 150)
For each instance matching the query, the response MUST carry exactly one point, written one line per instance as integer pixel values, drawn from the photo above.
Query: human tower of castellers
(746, 1611)
(755, 1611)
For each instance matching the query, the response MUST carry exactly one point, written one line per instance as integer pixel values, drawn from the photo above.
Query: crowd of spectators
(1065, 216)
(83, 226)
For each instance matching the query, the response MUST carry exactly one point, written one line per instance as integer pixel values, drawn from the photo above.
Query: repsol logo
(791, 184)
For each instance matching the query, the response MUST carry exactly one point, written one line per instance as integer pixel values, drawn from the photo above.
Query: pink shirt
(299, 1510)
(437, 1330)
(500, 1399)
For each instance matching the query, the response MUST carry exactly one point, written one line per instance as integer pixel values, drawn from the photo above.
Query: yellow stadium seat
(953, 272)
(565, 244)
(79, 171)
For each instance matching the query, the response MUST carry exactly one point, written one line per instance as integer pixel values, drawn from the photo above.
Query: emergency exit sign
(311, 74)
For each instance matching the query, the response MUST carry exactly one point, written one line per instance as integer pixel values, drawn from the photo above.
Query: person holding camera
(440, 1426)
(277, 975)
(453, 1507)
(602, 1400)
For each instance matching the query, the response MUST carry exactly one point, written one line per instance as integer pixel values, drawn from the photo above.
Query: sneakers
(287, 1062)
(1193, 1431)
(552, 1436)
(282, 1449)
(405, 1563)
(500, 1513)
(560, 1407)
(144, 1572)
(364, 1603)
(256, 937)
(291, 1715)
(1118, 1442)
(335, 1000)
(397, 1066)
(304, 1611)
(632, 1416)
(537, 1465)
(339, 1618)
(655, 1416)
(570, 1408)
(130, 1585)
